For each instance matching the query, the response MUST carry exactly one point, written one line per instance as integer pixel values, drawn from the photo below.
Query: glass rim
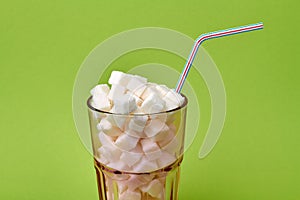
(138, 114)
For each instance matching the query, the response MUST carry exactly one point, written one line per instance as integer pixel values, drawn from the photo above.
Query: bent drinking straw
(212, 35)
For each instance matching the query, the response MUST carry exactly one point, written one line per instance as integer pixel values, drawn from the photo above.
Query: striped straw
(211, 35)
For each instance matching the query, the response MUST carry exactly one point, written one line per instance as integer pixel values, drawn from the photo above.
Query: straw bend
(212, 35)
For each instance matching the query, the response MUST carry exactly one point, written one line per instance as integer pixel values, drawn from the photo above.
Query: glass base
(161, 184)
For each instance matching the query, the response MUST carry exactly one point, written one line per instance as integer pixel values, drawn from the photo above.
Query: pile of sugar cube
(135, 134)
(133, 94)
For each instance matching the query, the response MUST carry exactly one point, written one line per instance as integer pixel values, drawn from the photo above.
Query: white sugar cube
(155, 188)
(118, 165)
(165, 159)
(112, 154)
(135, 182)
(163, 90)
(173, 100)
(105, 140)
(124, 104)
(100, 89)
(130, 158)
(138, 100)
(126, 142)
(151, 149)
(153, 155)
(101, 102)
(117, 120)
(153, 127)
(149, 145)
(150, 89)
(108, 128)
(144, 165)
(135, 83)
(104, 125)
(130, 195)
(170, 105)
(153, 104)
(116, 92)
(137, 149)
(119, 78)
(139, 91)
(137, 123)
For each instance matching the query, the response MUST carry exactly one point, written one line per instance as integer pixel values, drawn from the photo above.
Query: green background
(43, 43)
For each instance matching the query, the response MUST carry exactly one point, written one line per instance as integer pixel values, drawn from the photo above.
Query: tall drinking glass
(138, 156)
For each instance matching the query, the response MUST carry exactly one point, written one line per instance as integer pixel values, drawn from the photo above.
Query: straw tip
(261, 24)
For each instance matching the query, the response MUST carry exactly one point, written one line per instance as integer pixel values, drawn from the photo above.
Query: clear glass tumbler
(138, 156)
